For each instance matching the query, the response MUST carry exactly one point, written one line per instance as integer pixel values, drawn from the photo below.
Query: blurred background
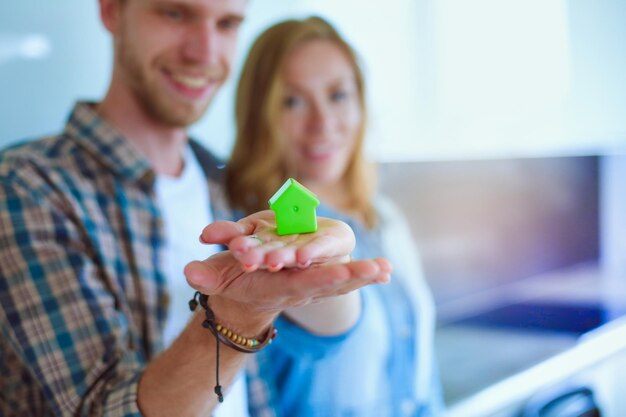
(500, 126)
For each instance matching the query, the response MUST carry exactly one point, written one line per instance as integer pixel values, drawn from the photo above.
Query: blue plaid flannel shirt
(82, 294)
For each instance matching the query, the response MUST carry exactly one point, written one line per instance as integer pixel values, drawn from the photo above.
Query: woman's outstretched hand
(254, 242)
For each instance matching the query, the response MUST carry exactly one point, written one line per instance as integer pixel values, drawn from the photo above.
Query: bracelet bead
(226, 335)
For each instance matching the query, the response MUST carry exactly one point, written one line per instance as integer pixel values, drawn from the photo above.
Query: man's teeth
(191, 82)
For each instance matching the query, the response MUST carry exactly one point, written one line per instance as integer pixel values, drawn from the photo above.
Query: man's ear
(110, 14)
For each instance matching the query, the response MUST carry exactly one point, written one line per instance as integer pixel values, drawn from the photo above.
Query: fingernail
(250, 268)
(305, 264)
(274, 268)
(202, 240)
(384, 280)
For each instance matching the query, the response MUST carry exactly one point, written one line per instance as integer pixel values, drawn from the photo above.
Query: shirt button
(407, 407)
(165, 300)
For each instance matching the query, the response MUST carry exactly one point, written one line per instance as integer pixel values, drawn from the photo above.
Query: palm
(276, 273)
(263, 290)
(254, 242)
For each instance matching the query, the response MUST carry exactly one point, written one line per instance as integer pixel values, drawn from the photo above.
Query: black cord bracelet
(228, 337)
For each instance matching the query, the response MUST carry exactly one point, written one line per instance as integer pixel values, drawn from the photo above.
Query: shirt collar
(106, 144)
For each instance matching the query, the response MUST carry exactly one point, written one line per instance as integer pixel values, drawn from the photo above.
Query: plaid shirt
(82, 293)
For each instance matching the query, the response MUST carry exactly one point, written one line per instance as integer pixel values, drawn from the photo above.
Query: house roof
(295, 185)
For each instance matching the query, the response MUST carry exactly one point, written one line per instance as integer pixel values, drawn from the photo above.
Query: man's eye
(230, 24)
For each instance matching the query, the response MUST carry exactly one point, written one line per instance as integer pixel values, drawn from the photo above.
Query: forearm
(330, 317)
(181, 380)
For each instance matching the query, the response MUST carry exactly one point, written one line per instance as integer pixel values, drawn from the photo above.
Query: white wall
(73, 60)
(481, 78)
(446, 78)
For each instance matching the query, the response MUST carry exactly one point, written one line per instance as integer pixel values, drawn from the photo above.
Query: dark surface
(569, 318)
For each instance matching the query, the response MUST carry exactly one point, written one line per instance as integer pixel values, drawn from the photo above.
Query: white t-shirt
(185, 206)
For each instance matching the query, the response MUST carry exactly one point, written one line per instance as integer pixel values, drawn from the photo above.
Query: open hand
(262, 290)
(280, 272)
(254, 242)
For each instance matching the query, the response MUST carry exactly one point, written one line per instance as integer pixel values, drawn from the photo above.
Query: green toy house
(294, 206)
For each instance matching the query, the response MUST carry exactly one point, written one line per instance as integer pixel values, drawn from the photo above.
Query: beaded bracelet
(228, 337)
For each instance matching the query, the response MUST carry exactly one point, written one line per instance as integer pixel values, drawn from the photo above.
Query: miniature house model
(294, 206)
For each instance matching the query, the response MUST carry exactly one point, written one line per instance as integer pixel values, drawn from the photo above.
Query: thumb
(211, 275)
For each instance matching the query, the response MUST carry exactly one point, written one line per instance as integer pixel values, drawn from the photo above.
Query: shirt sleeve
(301, 343)
(65, 347)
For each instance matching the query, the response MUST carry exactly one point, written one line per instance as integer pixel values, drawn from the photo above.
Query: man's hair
(258, 164)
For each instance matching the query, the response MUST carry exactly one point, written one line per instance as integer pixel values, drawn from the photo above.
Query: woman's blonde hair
(257, 167)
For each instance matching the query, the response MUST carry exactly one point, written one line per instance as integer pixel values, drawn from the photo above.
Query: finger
(276, 291)
(221, 232)
(293, 287)
(356, 281)
(351, 272)
(242, 244)
(335, 239)
(324, 248)
(281, 258)
(257, 256)
(258, 222)
(213, 274)
(201, 277)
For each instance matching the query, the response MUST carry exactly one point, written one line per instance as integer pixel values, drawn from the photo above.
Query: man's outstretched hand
(266, 272)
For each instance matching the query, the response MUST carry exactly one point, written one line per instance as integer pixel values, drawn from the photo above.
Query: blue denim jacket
(383, 367)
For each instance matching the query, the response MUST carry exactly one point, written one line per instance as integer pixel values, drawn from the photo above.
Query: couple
(95, 227)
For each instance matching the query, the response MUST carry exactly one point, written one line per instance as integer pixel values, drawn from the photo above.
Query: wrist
(228, 337)
(240, 318)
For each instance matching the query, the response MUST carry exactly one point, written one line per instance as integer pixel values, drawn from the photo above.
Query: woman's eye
(338, 96)
(173, 14)
(291, 102)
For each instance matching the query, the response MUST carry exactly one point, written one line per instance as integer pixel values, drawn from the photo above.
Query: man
(84, 289)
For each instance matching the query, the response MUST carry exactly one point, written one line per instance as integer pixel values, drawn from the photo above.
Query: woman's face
(321, 115)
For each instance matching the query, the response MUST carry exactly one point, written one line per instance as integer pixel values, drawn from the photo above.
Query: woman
(301, 113)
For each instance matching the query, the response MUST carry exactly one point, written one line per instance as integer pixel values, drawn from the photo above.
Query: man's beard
(165, 110)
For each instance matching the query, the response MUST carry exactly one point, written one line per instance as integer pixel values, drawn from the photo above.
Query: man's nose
(202, 43)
